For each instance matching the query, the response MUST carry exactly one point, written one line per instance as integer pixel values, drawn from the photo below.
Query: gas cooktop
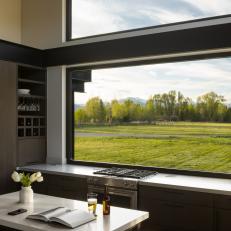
(126, 172)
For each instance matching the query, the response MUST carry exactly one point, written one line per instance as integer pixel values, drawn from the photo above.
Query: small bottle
(106, 201)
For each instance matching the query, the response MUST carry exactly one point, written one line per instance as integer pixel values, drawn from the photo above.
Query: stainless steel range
(126, 172)
(122, 184)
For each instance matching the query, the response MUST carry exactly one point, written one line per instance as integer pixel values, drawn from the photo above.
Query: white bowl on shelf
(23, 91)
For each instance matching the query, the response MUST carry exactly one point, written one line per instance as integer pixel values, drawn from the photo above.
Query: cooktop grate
(126, 172)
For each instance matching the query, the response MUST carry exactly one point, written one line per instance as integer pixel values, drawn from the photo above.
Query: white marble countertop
(193, 183)
(120, 219)
(62, 169)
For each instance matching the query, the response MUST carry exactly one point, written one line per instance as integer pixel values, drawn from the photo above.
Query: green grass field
(182, 145)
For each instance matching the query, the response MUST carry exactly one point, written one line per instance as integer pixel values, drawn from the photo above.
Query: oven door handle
(112, 190)
(116, 191)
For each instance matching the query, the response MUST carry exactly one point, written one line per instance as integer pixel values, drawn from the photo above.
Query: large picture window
(91, 17)
(175, 115)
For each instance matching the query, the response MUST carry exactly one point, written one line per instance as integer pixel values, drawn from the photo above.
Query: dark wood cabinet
(222, 212)
(31, 127)
(22, 132)
(176, 209)
(8, 140)
(223, 221)
(63, 186)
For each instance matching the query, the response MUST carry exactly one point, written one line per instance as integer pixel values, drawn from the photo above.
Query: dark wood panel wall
(8, 73)
(20, 54)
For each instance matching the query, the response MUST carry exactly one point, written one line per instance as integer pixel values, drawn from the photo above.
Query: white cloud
(212, 7)
(163, 16)
(92, 17)
(191, 78)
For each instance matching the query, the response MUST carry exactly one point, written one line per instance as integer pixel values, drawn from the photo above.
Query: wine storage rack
(31, 107)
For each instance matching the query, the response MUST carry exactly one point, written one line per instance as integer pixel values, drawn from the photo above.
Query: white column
(56, 115)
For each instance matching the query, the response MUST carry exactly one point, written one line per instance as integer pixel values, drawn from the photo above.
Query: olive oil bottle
(106, 201)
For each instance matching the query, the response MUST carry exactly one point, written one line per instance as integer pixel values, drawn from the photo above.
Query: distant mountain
(135, 100)
(77, 106)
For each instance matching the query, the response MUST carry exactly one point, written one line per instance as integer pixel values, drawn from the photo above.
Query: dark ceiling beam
(154, 61)
(160, 45)
(192, 40)
(20, 54)
(84, 76)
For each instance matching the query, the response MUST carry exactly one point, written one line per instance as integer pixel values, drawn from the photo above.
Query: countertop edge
(52, 172)
(188, 188)
(134, 223)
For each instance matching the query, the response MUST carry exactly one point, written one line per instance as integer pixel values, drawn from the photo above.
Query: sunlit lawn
(211, 152)
(179, 128)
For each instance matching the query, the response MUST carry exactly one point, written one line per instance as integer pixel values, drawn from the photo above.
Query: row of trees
(171, 106)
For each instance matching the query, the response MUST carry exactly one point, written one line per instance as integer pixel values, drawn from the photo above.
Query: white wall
(43, 26)
(10, 20)
(42, 23)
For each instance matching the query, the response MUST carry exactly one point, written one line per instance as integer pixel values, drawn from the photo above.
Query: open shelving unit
(32, 106)
(31, 119)
(31, 81)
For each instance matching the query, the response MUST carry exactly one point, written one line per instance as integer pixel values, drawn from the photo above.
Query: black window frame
(70, 134)
(70, 94)
(69, 25)
(68, 20)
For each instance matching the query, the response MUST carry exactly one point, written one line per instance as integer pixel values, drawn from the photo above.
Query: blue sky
(191, 78)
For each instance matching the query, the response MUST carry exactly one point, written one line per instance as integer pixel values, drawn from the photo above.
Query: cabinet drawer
(159, 228)
(40, 187)
(181, 196)
(223, 221)
(31, 151)
(68, 183)
(222, 201)
(65, 186)
(178, 216)
(69, 194)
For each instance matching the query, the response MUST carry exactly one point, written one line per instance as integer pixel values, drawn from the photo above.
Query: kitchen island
(120, 219)
(174, 201)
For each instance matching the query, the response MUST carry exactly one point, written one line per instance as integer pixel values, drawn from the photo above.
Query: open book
(64, 216)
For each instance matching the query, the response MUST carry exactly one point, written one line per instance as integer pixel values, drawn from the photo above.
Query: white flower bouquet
(27, 179)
